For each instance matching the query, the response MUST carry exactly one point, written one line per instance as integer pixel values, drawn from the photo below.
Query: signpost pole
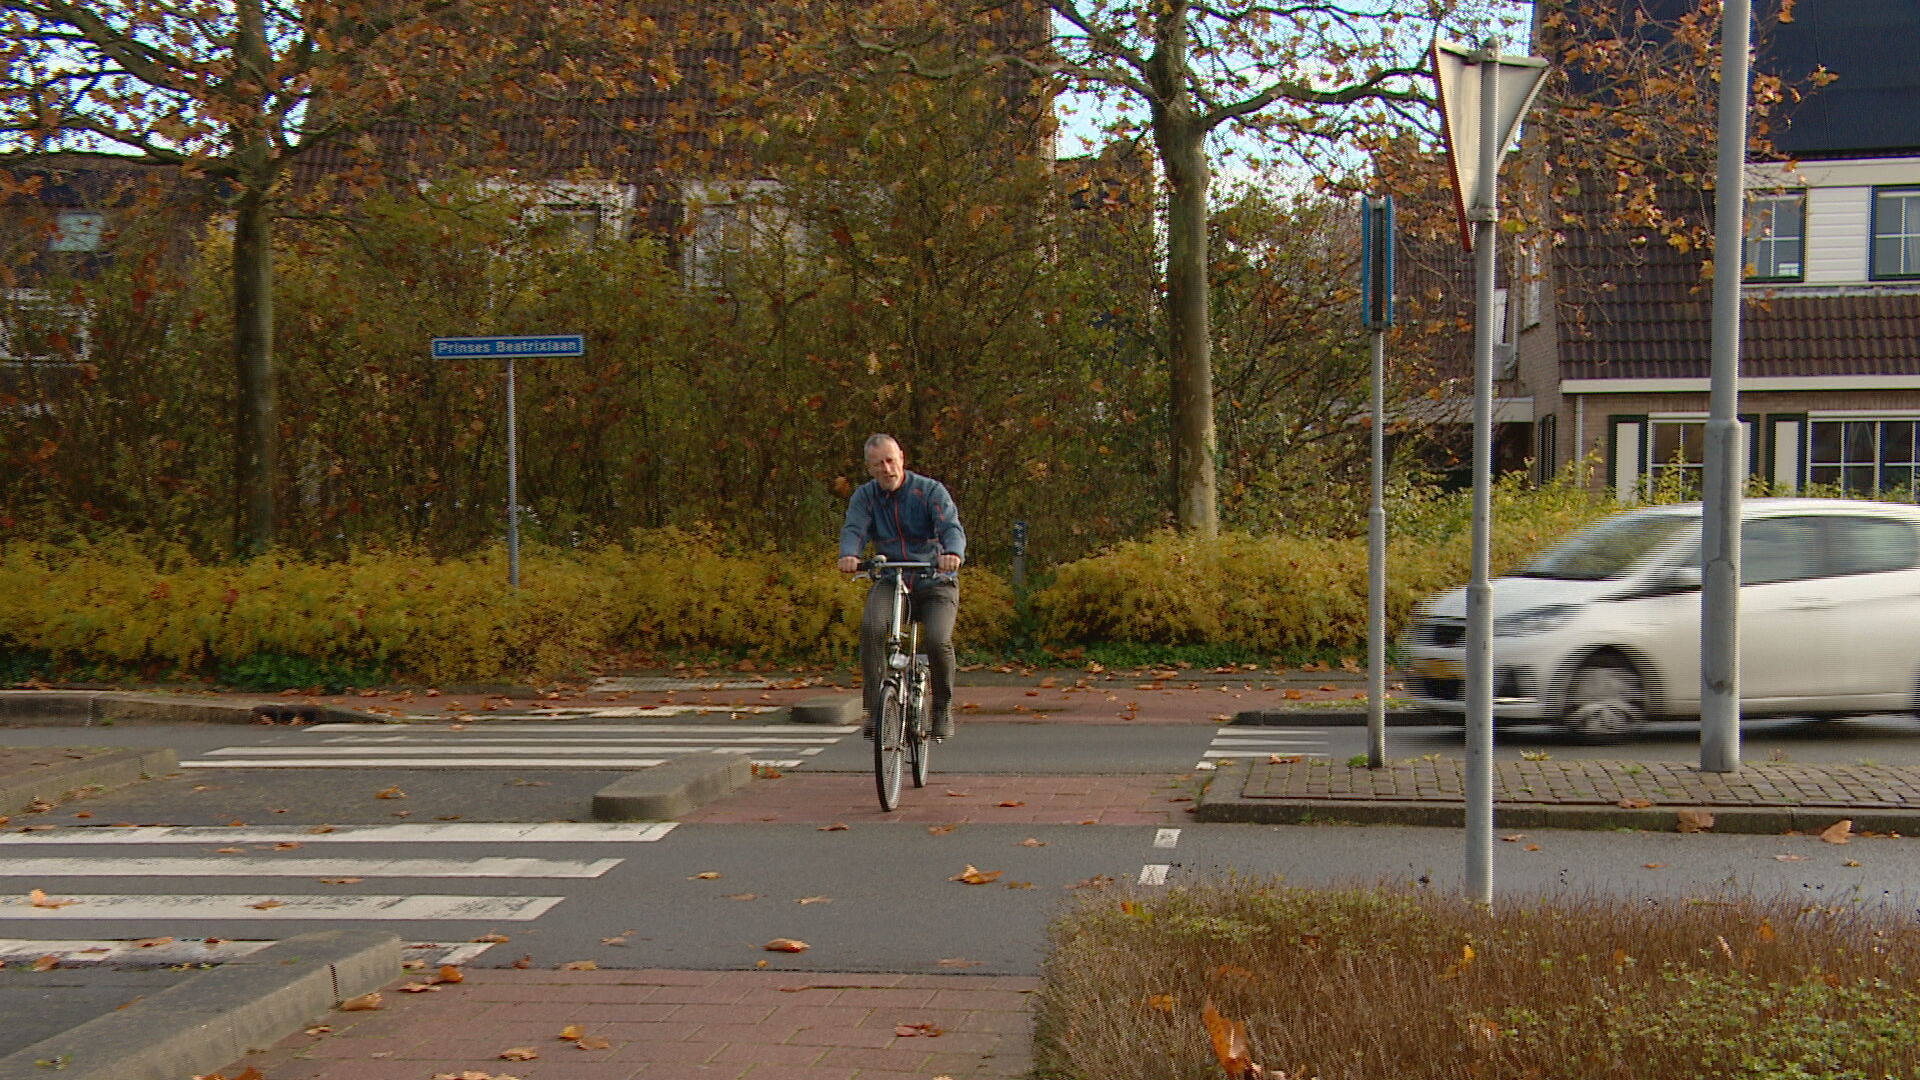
(1725, 449)
(1479, 680)
(513, 485)
(1376, 291)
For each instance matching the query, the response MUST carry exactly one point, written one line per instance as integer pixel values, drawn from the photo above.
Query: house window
(1776, 236)
(1896, 233)
(77, 230)
(1546, 436)
(1679, 455)
(579, 223)
(1864, 457)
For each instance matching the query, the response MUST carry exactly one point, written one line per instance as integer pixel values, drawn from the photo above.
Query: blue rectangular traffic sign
(455, 348)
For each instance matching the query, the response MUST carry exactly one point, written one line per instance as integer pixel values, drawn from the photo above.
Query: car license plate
(1438, 667)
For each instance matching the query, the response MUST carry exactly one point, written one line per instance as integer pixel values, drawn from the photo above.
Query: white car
(1602, 631)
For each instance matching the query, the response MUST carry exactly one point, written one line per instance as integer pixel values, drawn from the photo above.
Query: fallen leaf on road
(341, 880)
(320, 829)
(318, 1030)
(941, 830)
(449, 974)
(592, 1042)
(1285, 759)
(152, 942)
(1531, 847)
(1654, 865)
(519, 1053)
(571, 1032)
(1019, 884)
(1634, 804)
(957, 962)
(741, 896)
(972, 875)
(230, 851)
(613, 941)
(490, 939)
(781, 944)
(1515, 838)
(286, 845)
(838, 826)
(1838, 832)
(40, 899)
(1692, 821)
(1294, 695)
(267, 905)
(908, 1031)
(416, 987)
(363, 1003)
(1851, 862)
(579, 965)
(1033, 842)
(1012, 802)
(705, 875)
(393, 792)
(814, 900)
(1790, 858)
(46, 963)
(952, 794)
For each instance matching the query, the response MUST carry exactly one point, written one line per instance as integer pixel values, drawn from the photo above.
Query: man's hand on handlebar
(947, 562)
(849, 564)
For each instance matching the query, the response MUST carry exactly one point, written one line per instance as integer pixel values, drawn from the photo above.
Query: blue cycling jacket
(912, 523)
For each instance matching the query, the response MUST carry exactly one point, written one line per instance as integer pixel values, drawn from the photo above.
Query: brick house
(1610, 328)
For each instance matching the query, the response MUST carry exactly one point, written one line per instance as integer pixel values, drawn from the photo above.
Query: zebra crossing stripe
(458, 832)
(204, 907)
(161, 952)
(470, 739)
(414, 763)
(522, 728)
(41, 868)
(449, 750)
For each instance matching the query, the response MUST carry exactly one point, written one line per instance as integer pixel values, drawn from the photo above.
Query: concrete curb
(108, 770)
(214, 1018)
(1342, 717)
(826, 709)
(665, 792)
(88, 708)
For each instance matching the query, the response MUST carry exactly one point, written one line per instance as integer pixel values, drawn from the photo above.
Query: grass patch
(1363, 984)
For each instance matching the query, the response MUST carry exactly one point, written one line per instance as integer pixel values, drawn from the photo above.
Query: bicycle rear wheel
(920, 724)
(889, 744)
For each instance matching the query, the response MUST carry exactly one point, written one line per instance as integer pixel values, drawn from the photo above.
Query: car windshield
(1603, 550)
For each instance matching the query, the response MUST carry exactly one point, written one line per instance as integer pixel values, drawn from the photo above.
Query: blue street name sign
(455, 348)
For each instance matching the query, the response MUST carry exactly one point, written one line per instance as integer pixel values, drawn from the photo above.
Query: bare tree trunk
(1181, 142)
(255, 457)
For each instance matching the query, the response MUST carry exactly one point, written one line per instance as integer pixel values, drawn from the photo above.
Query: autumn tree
(241, 92)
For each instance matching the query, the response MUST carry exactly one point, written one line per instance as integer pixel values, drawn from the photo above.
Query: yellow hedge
(442, 620)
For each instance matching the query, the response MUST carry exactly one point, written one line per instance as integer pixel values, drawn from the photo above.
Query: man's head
(885, 462)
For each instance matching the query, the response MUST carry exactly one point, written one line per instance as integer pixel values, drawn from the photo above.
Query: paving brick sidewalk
(675, 1025)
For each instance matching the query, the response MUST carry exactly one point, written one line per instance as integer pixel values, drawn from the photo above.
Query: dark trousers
(933, 605)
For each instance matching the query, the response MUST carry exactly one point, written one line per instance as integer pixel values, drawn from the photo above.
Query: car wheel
(1606, 701)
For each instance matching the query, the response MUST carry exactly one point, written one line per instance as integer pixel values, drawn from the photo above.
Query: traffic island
(207, 1020)
(668, 791)
(38, 777)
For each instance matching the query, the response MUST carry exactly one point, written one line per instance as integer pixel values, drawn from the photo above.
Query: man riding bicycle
(910, 518)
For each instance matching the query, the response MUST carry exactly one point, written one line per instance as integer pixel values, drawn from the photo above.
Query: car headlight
(1536, 621)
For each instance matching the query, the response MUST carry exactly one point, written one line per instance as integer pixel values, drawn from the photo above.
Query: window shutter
(1627, 455)
(1786, 452)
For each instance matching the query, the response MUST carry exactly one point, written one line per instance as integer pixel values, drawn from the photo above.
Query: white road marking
(199, 906)
(197, 951)
(447, 749)
(459, 832)
(1235, 743)
(1224, 734)
(636, 730)
(467, 738)
(1250, 752)
(1154, 874)
(309, 868)
(1256, 743)
(414, 763)
(1166, 838)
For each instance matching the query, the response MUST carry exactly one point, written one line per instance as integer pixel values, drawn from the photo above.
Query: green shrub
(274, 622)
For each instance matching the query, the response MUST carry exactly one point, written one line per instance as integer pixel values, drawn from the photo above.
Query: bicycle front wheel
(889, 745)
(920, 725)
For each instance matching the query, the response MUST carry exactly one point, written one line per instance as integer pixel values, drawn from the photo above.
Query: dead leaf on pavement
(40, 899)
(613, 941)
(46, 963)
(230, 851)
(416, 987)
(1851, 862)
(952, 794)
(741, 896)
(814, 900)
(1839, 832)
(490, 939)
(1692, 821)
(974, 876)
(318, 830)
(267, 905)
(519, 1053)
(1515, 838)
(958, 962)
(393, 792)
(1654, 865)
(941, 830)
(781, 944)
(592, 1042)
(1634, 804)
(341, 880)
(1019, 884)
(1531, 847)
(838, 826)
(524, 962)
(705, 875)
(286, 845)
(571, 1032)
(1012, 802)
(579, 965)
(362, 1003)
(449, 974)
(1285, 759)
(908, 1031)
(1033, 842)
(152, 942)
(1790, 858)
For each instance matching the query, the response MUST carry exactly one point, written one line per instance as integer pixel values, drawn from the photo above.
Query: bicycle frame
(902, 727)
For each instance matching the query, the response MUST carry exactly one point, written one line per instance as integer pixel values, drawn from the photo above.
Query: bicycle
(903, 728)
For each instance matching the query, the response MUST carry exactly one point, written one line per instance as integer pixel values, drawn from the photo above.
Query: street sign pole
(508, 348)
(1376, 312)
(1725, 449)
(513, 484)
(1481, 117)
